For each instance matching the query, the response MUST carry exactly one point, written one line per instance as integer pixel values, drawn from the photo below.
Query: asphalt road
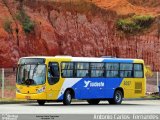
(138, 106)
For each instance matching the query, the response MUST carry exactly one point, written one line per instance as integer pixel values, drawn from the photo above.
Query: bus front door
(53, 80)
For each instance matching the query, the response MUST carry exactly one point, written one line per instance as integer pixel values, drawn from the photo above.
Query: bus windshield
(31, 74)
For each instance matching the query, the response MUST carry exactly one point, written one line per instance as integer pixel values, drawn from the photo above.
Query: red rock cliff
(77, 29)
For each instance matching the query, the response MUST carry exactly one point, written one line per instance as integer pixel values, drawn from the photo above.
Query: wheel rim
(118, 97)
(69, 97)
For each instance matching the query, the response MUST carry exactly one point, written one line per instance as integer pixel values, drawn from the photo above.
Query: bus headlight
(17, 90)
(41, 89)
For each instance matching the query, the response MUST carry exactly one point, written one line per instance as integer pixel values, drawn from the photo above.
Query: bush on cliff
(143, 21)
(26, 22)
(7, 26)
(127, 25)
(135, 23)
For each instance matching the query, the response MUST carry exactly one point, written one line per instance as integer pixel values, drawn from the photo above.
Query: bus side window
(53, 73)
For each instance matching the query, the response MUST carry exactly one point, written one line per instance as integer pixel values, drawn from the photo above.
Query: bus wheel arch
(117, 96)
(120, 89)
(69, 94)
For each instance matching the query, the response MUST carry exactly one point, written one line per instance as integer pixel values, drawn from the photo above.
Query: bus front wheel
(93, 102)
(67, 98)
(117, 98)
(41, 102)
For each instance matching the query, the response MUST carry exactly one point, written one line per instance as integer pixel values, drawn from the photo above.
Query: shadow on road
(79, 104)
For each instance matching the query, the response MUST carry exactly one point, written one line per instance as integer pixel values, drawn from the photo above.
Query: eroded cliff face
(62, 29)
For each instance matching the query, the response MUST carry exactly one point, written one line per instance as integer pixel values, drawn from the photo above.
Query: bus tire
(117, 98)
(41, 102)
(93, 101)
(67, 99)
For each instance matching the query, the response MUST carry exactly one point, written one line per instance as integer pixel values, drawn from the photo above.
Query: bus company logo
(93, 84)
(86, 83)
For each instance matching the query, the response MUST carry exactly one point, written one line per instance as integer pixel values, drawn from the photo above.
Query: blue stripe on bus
(92, 92)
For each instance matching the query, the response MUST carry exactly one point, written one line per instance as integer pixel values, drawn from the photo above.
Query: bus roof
(88, 59)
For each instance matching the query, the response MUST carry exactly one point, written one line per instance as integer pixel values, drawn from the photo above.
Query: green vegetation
(10, 87)
(0, 78)
(143, 21)
(13, 100)
(153, 96)
(127, 25)
(135, 23)
(7, 26)
(26, 22)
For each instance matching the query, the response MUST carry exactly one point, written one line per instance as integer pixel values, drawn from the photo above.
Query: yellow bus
(63, 78)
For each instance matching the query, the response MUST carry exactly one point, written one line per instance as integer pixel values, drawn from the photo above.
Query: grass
(155, 95)
(127, 25)
(11, 99)
(0, 78)
(135, 23)
(143, 21)
(14, 101)
(10, 87)
(152, 97)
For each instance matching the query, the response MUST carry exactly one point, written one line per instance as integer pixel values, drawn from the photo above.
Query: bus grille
(138, 87)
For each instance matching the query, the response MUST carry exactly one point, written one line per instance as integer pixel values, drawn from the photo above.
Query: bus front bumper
(39, 96)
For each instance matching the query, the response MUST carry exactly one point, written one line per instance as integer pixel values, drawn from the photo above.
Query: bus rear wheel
(41, 102)
(67, 98)
(117, 98)
(93, 102)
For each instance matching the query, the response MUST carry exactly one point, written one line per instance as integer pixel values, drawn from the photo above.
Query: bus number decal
(127, 83)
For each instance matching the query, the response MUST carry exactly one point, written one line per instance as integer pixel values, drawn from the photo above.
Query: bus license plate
(28, 97)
